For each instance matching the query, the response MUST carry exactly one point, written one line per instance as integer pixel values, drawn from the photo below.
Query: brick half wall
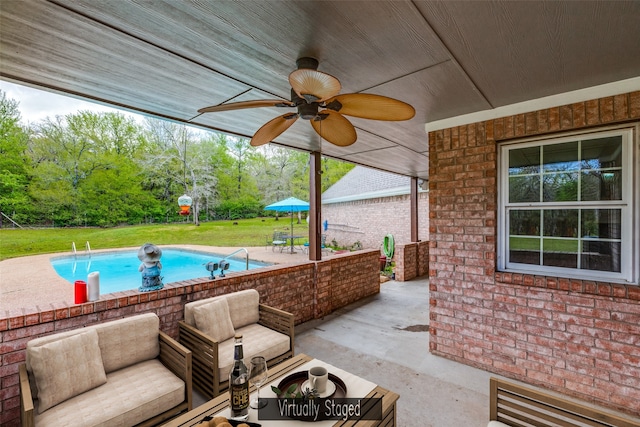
(411, 260)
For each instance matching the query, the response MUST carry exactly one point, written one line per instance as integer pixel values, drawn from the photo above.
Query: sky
(36, 105)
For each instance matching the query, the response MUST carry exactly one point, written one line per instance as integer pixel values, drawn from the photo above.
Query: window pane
(524, 189)
(561, 222)
(524, 250)
(560, 187)
(560, 157)
(524, 161)
(524, 223)
(602, 223)
(601, 185)
(560, 253)
(567, 207)
(602, 153)
(602, 256)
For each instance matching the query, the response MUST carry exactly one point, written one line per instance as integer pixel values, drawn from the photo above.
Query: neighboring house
(367, 204)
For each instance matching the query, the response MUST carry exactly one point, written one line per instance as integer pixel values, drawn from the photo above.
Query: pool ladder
(87, 249)
(235, 252)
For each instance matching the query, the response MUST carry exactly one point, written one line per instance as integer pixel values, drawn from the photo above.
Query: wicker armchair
(212, 358)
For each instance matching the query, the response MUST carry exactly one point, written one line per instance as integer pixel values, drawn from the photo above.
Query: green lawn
(550, 244)
(247, 232)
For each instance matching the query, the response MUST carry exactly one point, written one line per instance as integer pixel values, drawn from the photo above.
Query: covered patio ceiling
(449, 60)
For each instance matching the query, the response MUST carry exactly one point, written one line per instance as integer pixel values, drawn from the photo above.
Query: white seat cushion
(257, 340)
(497, 424)
(130, 396)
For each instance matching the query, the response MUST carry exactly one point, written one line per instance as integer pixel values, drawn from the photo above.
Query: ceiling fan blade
(314, 86)
(247, 104)
(335, 128)
(273, 128)
(368, 106)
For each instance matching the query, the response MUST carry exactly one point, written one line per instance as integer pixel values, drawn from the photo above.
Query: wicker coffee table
(221, 403)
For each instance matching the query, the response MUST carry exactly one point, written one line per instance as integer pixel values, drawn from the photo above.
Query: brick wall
(423, 258)
(411, 260)
(369, 220)
(577, 337)
(309, 290)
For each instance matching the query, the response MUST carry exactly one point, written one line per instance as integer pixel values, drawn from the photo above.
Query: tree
(277, 173)
(181, 161)
(79, 160)
(14, 162)
(105, 169)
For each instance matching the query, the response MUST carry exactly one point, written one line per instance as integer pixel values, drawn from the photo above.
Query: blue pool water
(119, 270)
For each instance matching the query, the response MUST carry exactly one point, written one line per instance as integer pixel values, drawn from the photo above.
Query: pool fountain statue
(150, 268)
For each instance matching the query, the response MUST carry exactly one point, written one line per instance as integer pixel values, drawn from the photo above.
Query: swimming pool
(119, 269)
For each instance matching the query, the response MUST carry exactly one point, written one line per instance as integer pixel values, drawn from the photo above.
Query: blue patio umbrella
(289, 205)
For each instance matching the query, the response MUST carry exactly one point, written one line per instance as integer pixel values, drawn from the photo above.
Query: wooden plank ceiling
(169, 58)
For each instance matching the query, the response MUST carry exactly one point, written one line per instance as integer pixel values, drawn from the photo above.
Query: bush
(246, 207)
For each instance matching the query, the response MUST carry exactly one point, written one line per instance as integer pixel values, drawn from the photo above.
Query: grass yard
(247, 232)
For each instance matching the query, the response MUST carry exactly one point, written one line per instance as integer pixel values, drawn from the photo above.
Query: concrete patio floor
(385, 339)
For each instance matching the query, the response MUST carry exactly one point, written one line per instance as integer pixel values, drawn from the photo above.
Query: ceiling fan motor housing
(306, 110)
(307, 63)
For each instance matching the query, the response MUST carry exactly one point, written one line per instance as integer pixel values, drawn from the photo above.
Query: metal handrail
(87, 249)
(73, 249)
(239, 250)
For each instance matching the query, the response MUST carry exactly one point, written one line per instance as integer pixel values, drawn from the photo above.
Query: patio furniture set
(283, 240)
(128, 372)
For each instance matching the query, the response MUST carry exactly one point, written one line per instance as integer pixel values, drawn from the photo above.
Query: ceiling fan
(315, 96)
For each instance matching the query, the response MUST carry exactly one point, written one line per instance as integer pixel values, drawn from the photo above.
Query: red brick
(634, 105)
(543, 121)
(593, 112)
(621, 107)
(566, 117)
(579, 114)
(606, 109)
(554, 119)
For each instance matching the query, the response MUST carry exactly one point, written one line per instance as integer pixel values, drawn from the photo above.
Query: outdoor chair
(323, 247)
(279, 240)
(209, 328)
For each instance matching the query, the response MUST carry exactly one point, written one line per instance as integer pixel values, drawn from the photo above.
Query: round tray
(300, 377)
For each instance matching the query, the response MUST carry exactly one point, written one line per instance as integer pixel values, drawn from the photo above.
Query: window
(568, 207)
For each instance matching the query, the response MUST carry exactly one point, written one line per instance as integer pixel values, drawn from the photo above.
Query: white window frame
(629, 205)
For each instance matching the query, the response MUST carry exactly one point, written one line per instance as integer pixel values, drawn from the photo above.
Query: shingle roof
(365, 183)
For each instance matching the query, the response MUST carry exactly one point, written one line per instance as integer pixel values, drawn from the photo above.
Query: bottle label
(239, 396)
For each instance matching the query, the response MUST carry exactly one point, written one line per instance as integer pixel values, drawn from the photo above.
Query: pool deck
(30, 282)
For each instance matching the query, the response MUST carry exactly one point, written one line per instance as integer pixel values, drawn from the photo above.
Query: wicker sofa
(120, 373)
(210, 324)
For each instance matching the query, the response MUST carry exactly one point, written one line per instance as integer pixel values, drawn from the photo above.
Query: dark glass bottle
(239, 384)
